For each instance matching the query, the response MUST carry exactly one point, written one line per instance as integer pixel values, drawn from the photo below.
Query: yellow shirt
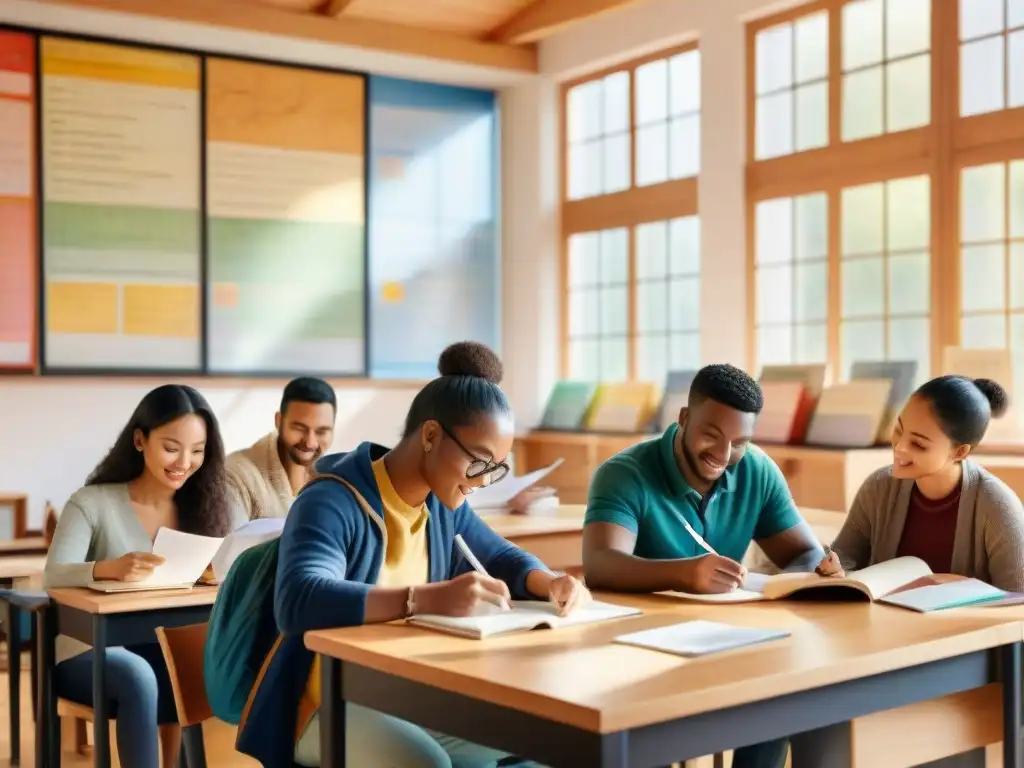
(405, 564)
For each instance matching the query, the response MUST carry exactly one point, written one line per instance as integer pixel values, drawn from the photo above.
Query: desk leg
(332, 714)
(12, 622)
(47, 724)
(101, 722)
(1012, 705)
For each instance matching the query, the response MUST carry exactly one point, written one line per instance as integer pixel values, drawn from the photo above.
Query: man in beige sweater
(265, 477)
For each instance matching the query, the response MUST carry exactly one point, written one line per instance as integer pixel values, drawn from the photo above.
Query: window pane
(584, 360)
(616, 163)
(862, 104)
(774, 225)
(1017, 198)
(585, 170)
(652, 358)
(651, 92)
(1017, 340)
(908, 93)
(616, 103)
(614, 360)
(983, 332)
(812, 47)
(908, 213)
(811, 292)
(774, 295)
(1015, 67)
(811, 116)
(774, 125)
(684, 351)
(684, 245)
(684, 146)
(910, 339)
(584, 259)
(774, 346)
(908, 27)
(652, 307)
(811, 343)
(862, 33)
(614, 256)
(910, 285)
(614, 310)
(684, 304)
(1014, 14)
(862, 219)
(1017, 276)
(861, 340)
(984, 286)
(811, 226)
(863, 287)
(981, 76)
(651, 154)
(684, 82)
(584, 312)
(980, 17)
(981, 203)
(651, 250)
(774, 67)
(584, 111)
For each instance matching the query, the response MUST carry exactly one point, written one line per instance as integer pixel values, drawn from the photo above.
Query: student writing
(933, 502)
(652, 505)
(166, 469)
(343, 564)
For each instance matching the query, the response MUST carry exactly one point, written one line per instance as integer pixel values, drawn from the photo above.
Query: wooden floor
(220, 737)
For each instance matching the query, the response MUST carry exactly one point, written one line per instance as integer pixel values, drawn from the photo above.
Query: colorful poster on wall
(121, 217)
(286, 206)
(17, 201)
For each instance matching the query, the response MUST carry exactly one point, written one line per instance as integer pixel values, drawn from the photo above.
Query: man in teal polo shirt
(681, 511)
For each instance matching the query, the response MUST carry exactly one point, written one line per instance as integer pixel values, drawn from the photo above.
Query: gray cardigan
(989, 542)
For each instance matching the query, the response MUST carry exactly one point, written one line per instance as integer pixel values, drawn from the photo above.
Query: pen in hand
(472, 560)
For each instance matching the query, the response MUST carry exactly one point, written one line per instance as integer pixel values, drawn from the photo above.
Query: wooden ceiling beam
(354, 32)
(333, 8)
(542, 18)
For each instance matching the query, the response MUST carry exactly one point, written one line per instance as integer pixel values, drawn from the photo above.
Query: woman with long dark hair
(166, 470)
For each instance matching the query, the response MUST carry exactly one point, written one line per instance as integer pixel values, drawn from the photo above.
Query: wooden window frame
(940, 149)
(628, 208)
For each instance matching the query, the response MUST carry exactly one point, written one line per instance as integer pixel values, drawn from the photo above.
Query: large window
(629, 223)
(886, 182)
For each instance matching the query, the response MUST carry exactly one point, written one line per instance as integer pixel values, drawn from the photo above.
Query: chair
(183, 649)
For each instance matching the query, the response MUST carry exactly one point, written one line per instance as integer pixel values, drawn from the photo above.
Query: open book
(524, 616)
(909, 577)
(186, 557)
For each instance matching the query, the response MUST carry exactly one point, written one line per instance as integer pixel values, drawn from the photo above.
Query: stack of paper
(186, 557)
(698, 638)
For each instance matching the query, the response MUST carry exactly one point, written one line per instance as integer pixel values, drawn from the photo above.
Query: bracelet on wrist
(410, 602)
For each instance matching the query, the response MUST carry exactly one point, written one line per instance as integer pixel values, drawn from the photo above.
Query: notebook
(525, 615)
(950, 594)
(875, 582)
(186, 557)
(699, 638)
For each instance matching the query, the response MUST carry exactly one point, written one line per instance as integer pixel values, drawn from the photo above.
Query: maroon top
(930, 530)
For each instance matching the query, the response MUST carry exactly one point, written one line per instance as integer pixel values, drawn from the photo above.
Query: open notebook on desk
(524, 616)
(906, 582)
(186, 557)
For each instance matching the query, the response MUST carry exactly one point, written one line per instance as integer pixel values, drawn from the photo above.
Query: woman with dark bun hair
(933, 502)
(370, 540)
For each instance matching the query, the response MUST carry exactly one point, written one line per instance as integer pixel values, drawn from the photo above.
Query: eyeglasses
(478, 467)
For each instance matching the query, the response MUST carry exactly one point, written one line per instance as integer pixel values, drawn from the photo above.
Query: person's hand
(135, 566)
(462, 596)
(520, 503)
(568, 594)
(830, 565)
(713, 574)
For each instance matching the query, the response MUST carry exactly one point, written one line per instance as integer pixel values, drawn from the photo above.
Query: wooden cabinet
(826, 478)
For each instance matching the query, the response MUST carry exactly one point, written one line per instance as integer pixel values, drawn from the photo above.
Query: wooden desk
(13, 568)
(102, 621)
(29, 545)
(556, 539)
(571, 697)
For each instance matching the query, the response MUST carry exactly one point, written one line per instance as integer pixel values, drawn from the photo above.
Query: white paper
(244, 537)
(696, 638)
(185, 555)
(952, 594)
(500, 494)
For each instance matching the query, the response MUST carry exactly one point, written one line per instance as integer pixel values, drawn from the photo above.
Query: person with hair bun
(370, 540)
(933, 502)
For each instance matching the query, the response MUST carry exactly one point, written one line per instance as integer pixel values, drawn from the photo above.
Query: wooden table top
(33, 544)
(21, 567)
(568, 518)
(94, 602)
(579, 677)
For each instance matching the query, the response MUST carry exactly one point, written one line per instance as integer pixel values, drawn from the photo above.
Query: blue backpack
(241, 632)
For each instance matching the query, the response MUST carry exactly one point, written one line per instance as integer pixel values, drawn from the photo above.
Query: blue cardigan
(329, 556)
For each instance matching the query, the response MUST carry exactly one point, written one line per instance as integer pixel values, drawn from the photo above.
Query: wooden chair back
(183, 649)
(49, 523)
